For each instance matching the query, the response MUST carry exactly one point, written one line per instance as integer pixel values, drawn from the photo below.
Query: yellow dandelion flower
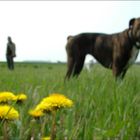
(20, 97)
(44, 106)
(8, 112)
(6, 96)
(46, 138)
(64, 101)
(36, 113)
(55, 101)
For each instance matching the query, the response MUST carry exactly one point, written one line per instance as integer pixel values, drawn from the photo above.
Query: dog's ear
(131, 22)
(69, 37)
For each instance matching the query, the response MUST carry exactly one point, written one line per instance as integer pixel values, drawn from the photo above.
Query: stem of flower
(53, 129)
(5, 134)
(33, 129)
(43, 126)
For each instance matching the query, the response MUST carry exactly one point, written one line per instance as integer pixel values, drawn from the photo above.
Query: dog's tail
(70, 57)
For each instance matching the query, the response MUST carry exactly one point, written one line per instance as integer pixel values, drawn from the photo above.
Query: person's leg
(11, 63)
(8, 62)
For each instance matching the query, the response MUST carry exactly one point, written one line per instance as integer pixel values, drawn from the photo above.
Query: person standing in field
(10, 53)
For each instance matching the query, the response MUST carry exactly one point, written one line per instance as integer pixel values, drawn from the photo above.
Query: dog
(114, 51)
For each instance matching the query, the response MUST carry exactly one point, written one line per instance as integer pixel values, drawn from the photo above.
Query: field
(103, 109)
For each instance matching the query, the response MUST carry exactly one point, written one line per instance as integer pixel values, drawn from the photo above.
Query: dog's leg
(119, 72)
(123, 73)
(78, 65)
(70, 67)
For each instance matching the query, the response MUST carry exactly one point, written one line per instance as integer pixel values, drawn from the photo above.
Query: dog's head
(134, 26)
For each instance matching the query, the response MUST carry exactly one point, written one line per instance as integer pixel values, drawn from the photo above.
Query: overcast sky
(40, 28)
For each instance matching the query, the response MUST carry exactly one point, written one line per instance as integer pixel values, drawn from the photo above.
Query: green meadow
(103, 109)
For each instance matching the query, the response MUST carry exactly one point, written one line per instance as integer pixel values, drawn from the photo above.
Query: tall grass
(103, 109)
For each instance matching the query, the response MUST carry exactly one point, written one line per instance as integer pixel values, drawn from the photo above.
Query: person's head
(9, 39)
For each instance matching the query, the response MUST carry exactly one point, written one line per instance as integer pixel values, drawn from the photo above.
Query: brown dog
(115, 51)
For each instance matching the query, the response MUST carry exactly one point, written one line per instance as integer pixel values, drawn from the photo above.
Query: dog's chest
(133, 56)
